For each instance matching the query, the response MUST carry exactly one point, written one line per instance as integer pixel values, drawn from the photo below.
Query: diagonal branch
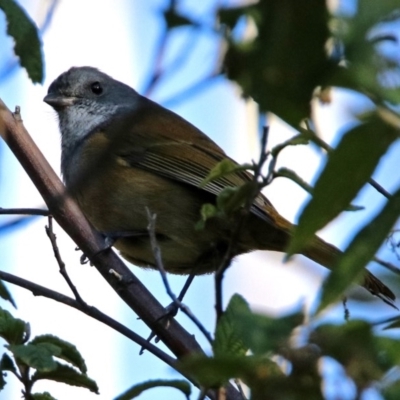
(68, 215)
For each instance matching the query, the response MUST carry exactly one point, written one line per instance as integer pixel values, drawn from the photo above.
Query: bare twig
(226, 261)
(24, 211)
(160, 265)
(391, 267)
(38, 290)
(60, 262)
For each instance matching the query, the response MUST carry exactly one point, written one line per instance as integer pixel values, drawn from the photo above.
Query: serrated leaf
(227, 339)
(43, 396)
(38, 356)
(25, 34)
(348, 168)
(136, 390)
(7, 364)
(351, 263)
(68, 353)
(12, 330)
(214, 372)
(68, 375)
(4, 292)
(266, 334)
(223, 168)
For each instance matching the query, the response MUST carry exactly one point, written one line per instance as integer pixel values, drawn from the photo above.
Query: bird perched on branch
(123, 154)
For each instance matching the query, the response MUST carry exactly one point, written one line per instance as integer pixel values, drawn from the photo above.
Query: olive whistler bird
(122, 154)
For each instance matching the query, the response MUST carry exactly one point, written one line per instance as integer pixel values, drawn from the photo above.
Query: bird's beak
(58, 101)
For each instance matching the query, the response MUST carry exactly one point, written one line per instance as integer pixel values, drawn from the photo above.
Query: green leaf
(214, 372)
(392, 391)
(136, 390)
(207, 211)
(3, 382)
(5, 294)
(66, 374)
(300, 139)
(68, 352)
(263, 334)
(7, 364)
(227, 339)
(12, 330)
(351, 263)
(223, 168)
(348, 168)
(355, 347)
(231, 199)
(43, 396)
(280, 80)
(38, 356)
(284, 172)
(27, 43)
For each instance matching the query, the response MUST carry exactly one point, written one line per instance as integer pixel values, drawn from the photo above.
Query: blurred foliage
(288, 357)
(27, 45)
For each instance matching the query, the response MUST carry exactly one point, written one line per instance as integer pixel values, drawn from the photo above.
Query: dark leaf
(25, 34)
(174, 19)
(43, 396)
(136, 390)
(68, 375)
(38, 356)
(5, 294)
(68, 352)
(264, 334)
(214, 372)
(7, 364)
(351, 263)
(348, 168)
(355, 347)
(12, 330)
(286, 59)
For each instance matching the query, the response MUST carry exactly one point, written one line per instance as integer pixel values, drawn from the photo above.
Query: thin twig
(24, 211)
(38, 290)
(160, 265)
(60, 262)
(226, 261)
(391, 267)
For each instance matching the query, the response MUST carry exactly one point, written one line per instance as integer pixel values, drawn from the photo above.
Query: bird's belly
(119, 208)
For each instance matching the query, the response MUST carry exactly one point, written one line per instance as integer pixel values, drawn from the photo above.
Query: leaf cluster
(43, 357)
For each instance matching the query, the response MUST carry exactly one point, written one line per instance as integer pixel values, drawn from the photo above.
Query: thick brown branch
(68, 215)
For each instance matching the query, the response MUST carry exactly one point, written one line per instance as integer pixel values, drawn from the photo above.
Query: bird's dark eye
(96, 88)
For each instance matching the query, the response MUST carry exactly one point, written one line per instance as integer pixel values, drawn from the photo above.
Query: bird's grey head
(86, 99)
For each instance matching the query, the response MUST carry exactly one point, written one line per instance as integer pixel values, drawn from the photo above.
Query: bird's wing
(177, 150)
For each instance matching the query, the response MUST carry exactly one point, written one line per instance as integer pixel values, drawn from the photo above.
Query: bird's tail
(325, 254)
